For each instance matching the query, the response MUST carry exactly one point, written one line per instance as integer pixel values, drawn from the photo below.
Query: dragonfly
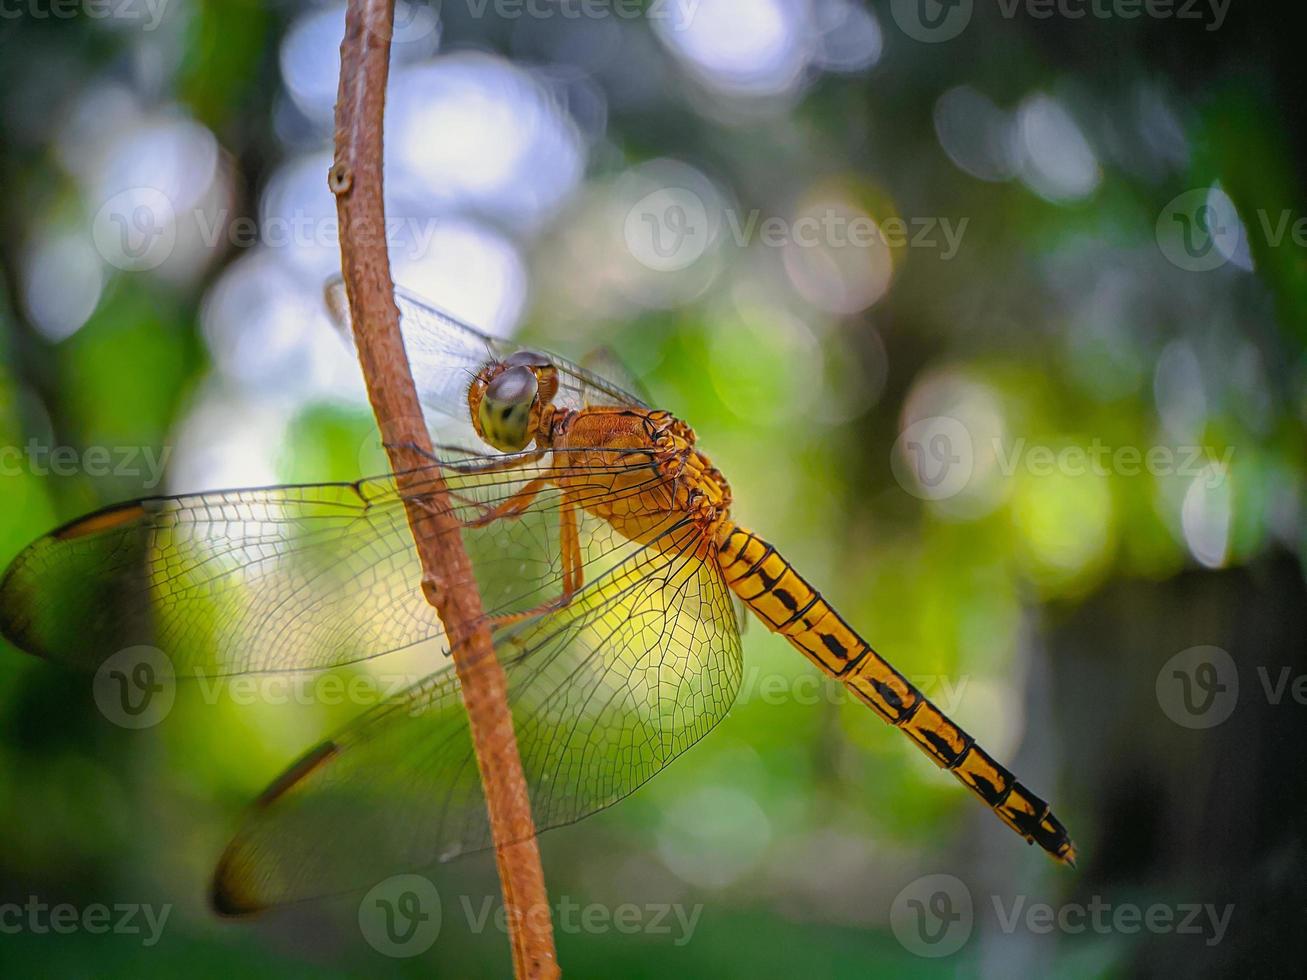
(614, 581)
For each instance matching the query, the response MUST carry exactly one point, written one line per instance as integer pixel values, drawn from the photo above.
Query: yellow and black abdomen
(788, 605)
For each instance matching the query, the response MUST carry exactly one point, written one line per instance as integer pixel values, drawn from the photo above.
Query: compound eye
(528, 358)
(504, 415)
(512, 387)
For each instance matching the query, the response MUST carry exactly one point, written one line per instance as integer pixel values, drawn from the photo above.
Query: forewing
(604, 694)
(604, 362)
(445, 354)
(286, 578)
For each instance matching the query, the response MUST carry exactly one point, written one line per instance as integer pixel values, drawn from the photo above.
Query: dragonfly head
(507, 399)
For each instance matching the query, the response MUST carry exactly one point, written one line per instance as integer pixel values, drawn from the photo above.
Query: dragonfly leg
(569, 555)
(570, 547)
(492, 463)
(512, 507)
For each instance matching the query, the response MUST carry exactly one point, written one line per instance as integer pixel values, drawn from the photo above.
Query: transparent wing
(604, 693)
(604, 362)
(290, 578)
(445, 355)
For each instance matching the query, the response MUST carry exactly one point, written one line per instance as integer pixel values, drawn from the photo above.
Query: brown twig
(447, 579)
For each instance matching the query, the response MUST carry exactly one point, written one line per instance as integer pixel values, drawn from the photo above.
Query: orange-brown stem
(447, 579)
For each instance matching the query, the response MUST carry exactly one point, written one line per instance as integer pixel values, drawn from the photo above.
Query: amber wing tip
(230, 903)
(14, 625)
(227, 897)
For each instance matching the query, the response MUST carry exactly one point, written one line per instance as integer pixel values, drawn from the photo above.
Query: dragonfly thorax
(698, 487)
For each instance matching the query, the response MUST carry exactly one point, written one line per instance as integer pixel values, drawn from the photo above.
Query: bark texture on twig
(447, 579)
